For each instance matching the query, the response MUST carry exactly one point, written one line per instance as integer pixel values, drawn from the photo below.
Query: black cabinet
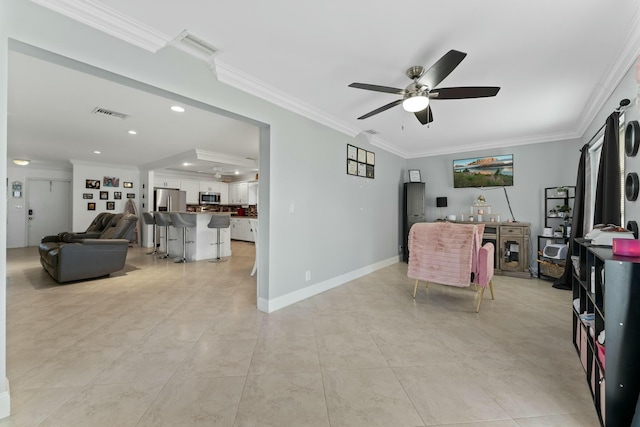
(606, 293)
(550, 268)
(413, 211)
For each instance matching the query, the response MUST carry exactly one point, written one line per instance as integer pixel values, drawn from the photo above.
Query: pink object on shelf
(626, 247)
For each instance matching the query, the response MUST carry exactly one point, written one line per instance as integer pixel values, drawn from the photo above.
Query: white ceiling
(556, 62)
(50, 122)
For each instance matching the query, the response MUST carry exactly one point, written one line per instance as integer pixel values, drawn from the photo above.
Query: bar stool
(149, 219)
(163, 219)
(218, 222)
(184, 221)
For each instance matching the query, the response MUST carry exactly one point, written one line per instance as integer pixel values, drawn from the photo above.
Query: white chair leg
(415, 289)
(491, 288)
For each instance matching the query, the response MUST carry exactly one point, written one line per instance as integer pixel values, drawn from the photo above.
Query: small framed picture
(87, 195)
(127, 184)
(414, 175)
(91, 206)
(370, 171)
(111, 206)
(362, 155)
(352, 167)
(131, 195)
(362, 169)
(371, 158)
(352, 152)
(104, 195)
(92, 183)
(110, 181)
(117, 195)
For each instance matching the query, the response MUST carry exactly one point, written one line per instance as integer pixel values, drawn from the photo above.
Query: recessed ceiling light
(96, 152)
(132, 132)
(177, 109)
(21, 162)
(237, 172)
(187, 164)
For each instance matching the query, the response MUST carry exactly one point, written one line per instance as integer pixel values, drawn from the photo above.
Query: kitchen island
(204, 239)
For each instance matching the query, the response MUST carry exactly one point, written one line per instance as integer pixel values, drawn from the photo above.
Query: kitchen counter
(203, 238)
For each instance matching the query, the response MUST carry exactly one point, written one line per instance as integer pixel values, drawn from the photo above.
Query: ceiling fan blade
(425, 116)
(463, 92)
(376, 88)
(381, 109)
(441, 69)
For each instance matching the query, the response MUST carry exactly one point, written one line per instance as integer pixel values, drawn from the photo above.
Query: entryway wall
(16, 206)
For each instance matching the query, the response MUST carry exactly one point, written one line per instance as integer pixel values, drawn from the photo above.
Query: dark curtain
(607, 205)
(564, 281)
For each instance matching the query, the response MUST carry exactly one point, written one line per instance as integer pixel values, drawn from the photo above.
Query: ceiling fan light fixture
(415, 102)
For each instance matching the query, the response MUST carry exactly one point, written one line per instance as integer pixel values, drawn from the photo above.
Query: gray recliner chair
(72, 258)
(97, 226)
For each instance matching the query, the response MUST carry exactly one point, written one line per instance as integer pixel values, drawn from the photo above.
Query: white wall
(82, 171)
(17, 207)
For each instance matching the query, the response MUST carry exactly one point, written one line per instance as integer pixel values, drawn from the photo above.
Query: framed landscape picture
(87, 195)
(492, 171)
(131, 195)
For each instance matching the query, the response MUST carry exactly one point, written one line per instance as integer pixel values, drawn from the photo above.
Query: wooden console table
(511, 240)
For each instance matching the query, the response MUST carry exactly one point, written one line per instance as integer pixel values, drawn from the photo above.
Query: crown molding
(100, 17)
(495, 144)
(233, 77)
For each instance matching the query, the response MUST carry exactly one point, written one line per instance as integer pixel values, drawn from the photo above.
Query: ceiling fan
(416, 96)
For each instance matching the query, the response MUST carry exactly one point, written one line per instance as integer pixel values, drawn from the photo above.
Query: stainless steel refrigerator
(166, 200)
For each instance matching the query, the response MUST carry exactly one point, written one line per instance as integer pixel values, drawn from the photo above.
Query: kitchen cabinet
(192, 187)
(241, 229)
(239, 193)
(224, 193)
(166, 183)
(253, 193)
(209, 186)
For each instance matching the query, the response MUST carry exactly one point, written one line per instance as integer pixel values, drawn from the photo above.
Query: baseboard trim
(5, 402)
(271, 305)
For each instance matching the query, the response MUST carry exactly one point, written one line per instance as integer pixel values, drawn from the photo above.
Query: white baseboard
(5, 402)
(271, 305)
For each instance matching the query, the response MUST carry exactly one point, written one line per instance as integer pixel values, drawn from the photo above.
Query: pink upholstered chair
(485, 271)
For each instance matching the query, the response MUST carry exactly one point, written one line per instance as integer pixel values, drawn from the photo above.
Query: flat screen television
(494, 171)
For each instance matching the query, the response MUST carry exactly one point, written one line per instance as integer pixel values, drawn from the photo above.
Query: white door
(48, 208)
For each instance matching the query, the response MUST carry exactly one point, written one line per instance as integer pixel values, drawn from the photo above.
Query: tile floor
(165, 344)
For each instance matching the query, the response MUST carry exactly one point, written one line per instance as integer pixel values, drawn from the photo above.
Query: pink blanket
(444, 252)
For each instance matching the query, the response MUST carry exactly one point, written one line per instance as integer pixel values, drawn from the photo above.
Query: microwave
(209, 198)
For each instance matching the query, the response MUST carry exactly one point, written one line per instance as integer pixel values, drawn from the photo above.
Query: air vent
(195, 46)
(109, 113)
(371, 132)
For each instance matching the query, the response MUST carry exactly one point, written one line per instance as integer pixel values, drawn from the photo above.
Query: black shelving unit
(551, 200)
(607, 286)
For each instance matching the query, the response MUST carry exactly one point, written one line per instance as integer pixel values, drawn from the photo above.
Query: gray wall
(627, 88)
(340, 223)
(536, 166)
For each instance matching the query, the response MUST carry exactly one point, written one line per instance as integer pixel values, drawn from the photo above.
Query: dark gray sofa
(72, 256)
